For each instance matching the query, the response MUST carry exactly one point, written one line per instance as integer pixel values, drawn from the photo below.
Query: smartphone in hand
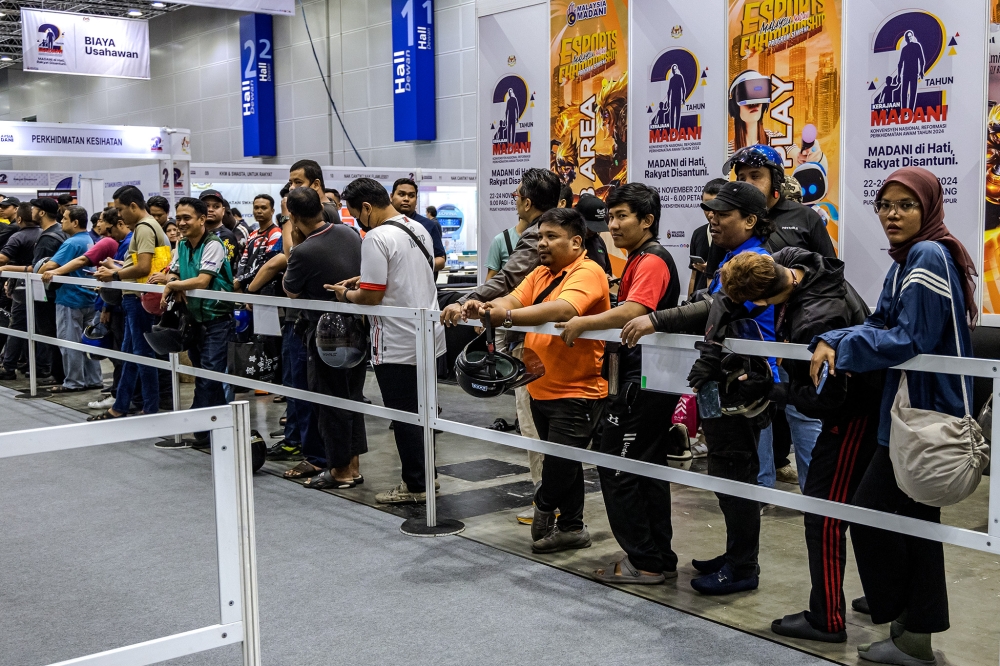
(823, 374)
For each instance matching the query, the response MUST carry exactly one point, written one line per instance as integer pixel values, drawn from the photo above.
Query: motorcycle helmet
(242, 319)
(341, 339)
(95, 335)
(174, 333)
(489, 373)
(151, 302)
(258, 451)
(733, 367)
(4, 318)
(758, 155)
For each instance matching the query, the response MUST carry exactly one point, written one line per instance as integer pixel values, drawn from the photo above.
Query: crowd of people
(763, 268)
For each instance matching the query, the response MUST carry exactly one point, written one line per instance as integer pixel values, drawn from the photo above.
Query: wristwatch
(115, 277)
(507, 321)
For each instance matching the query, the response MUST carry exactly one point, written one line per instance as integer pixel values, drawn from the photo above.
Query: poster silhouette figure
(508, 126)
(910, 70)
(676, 94)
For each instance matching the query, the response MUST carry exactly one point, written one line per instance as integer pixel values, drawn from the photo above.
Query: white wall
(195, 84)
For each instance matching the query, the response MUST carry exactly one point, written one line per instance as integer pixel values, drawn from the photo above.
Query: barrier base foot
(417, 527)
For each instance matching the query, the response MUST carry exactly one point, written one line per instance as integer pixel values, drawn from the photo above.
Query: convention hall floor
(339, 582)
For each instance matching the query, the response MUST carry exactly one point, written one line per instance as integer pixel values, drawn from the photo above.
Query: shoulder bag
(938, 459)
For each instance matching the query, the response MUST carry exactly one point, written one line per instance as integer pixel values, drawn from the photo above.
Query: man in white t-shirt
(396, 260)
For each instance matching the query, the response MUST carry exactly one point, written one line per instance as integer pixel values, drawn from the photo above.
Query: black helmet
(341, 339)
(174, 333)
(733, 367)
(489, 373)
(258, 450)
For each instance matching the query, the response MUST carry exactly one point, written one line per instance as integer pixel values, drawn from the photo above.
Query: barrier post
(247, 533)
(993, 525)
(430, 526)
(29, 308)
(175, 387)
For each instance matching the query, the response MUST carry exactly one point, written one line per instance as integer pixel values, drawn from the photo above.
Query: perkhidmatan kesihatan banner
(84, 44)
(784, 91)
(676, 115)
(589, 106)
(915, 94)
(514, 99)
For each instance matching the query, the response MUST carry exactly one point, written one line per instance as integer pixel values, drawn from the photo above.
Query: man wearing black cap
(8, 218)
(595, 214)
(738, 225)
(217, 209)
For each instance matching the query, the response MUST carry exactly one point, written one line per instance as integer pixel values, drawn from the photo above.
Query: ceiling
(10, 22)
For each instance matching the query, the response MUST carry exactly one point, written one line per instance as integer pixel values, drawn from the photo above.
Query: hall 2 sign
(257, 86)
(413, 70)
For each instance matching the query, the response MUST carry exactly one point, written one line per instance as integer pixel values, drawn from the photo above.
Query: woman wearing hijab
(930, 282)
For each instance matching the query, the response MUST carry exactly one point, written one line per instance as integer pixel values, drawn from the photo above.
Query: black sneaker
(171, 444)
(200, 444)
(8, 375)
(281, 450)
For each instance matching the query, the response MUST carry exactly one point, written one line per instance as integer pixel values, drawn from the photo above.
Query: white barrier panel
(234, 520)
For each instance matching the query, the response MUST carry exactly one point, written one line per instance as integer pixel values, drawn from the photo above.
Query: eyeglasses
(903, 207)
(515, 194)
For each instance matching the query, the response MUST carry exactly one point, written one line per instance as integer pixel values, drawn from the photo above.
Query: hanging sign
(413, 86)
(915, 87)
(277, 7)
(110, 141)
(676, 109)
(513, 112)
(84, 44)
(257, 86)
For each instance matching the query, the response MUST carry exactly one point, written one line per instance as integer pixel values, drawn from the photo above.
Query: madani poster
(589, 84)
(784, 91)
(678, 126)
(915, 88)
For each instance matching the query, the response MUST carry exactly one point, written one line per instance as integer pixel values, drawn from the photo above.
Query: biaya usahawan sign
(86, 45)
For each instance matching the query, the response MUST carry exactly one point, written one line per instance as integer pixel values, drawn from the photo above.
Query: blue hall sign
(257, 86)
(413, 70)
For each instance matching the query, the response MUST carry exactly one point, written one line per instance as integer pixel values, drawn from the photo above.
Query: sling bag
(506, 238)
(430, 259)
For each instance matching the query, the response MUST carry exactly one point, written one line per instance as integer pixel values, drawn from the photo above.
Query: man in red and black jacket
(262, 245)
(638, 507)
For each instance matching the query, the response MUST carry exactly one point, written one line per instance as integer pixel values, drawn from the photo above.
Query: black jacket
(799, 226)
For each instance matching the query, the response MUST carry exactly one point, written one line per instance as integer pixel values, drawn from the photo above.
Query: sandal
(627, 574)
(359, 479)
(303, 470)
(59, 388)
(325, 481)
(106, 416)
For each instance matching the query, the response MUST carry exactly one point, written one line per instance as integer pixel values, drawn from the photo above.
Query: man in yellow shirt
(567, 402)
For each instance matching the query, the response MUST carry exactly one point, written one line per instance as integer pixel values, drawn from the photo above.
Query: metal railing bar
(162, 649)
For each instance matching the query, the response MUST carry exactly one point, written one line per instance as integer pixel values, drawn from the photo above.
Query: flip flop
(628, 574)
(359, 479)
(62, 389)
(303, 470)
(325, 481)
(886, 652)
(106, 416)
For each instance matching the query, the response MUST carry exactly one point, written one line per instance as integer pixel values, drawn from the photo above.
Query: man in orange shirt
(567, 402)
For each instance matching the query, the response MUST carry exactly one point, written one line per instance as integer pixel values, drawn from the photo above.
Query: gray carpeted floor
(111, 545)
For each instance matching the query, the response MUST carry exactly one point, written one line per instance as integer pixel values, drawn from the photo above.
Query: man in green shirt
(201, 263)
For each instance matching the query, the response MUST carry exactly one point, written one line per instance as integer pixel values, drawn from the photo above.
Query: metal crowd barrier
(234, 522)
(427, 414)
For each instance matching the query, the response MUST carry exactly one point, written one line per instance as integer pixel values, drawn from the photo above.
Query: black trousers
(781, 438)
(898, 572)
(639, 507)
(15, 348)
(398, 384)
(843, 451)
(48, 358)
(732, 454)
(568, 421)
(343, 432)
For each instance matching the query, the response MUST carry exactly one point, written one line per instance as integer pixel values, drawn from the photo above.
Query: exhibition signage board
(108, 141)
(915, 78)
(991, 238)
(257, 86)
(676, 112)
(238, 173)
(784, 91)
(589, 84)
(279, 7)
(37, 179)
(84, 44)
(513, 105)
(413, 88)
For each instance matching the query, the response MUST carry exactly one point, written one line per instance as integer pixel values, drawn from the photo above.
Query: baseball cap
(50, 206)
(738, 194)
(214, 193)
(9, 201)
(594, 211)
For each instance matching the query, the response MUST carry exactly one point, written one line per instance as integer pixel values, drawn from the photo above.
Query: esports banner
(784, 91)
(589, 83)
(513, 128)
(676, 114)
(991, 240)
(904, 66)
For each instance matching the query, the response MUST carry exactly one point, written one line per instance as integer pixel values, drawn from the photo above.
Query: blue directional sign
(413, 70)
(257, 86)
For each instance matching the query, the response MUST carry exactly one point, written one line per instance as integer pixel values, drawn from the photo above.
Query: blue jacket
(914, 316)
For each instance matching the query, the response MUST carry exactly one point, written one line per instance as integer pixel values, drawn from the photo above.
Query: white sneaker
(102, 404)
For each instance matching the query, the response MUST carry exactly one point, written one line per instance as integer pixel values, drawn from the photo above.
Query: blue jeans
(294, 359)
(81, 370)
(766, 475)
(211, 352)
(137, 323)
(805, 432)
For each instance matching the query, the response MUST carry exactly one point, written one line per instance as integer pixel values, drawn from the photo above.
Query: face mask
(364, 227)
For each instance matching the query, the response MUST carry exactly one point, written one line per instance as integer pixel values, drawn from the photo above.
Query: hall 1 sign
(257, 86)
(413, 70)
